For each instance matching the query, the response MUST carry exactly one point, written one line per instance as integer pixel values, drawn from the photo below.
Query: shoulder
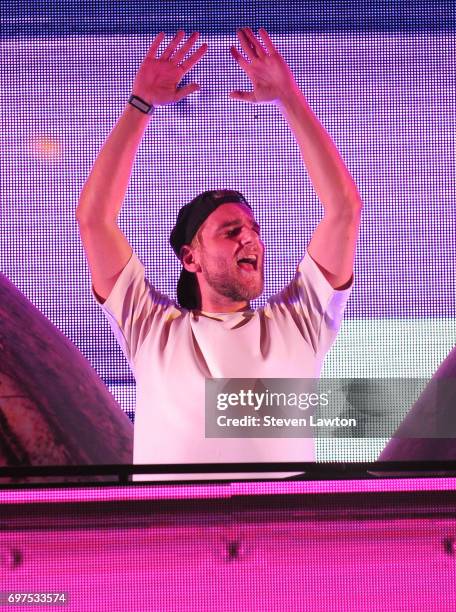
(133, 291)
(310, 288)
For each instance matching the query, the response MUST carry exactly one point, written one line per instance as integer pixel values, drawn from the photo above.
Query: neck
(222, 305)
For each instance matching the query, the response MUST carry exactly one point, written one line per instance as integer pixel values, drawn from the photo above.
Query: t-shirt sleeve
(315, 307)
(134, 308)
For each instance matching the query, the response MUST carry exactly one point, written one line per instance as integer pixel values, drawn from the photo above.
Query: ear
(189, 259)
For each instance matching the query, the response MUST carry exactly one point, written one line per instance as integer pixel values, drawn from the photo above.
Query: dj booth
(340, 538)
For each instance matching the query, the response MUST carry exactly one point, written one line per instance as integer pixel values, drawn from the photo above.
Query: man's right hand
(106, 247)
(158, 78)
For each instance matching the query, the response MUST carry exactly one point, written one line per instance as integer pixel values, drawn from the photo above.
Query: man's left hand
(268, 72)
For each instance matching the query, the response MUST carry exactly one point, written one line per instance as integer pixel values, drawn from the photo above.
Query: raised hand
(158, 78)
(268, 72)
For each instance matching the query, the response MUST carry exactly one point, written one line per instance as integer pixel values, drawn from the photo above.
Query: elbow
(95, 208)
(347, 210)
(356, 208)
(352, 207)
(87, 208)
(81, 215)
(84, 217)
(344, 203)
(352, 202)
(349, 198)
(88, 213)
(357, 203)
(83, 207)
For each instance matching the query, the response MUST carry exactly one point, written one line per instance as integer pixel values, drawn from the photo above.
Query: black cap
(190, 218)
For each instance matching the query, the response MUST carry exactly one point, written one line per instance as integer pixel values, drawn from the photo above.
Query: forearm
(104, 191)
(331, 180)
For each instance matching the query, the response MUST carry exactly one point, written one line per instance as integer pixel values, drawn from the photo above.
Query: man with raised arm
(211, 332)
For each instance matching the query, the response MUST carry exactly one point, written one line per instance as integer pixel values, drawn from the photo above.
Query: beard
(234, 283)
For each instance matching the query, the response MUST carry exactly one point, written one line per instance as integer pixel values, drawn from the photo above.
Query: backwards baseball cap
(190, 218)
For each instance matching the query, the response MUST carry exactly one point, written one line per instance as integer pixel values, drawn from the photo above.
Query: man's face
(231, 254)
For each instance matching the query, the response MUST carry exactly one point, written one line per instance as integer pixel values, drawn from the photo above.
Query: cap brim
(187, 290)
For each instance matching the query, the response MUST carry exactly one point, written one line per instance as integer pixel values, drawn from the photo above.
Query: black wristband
(141, 105)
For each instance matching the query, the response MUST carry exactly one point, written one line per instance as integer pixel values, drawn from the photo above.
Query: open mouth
(249, 263)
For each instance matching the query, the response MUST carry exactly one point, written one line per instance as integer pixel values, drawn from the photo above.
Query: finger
(245, 96)
(243, 63)
(185, 91)
(255, 42)
(246, 45)
(155, 45)
(172, 45)
(194, 58)
(179, 55)
(267, 41)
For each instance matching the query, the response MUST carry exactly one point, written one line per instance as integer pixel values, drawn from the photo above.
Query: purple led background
(383, 96)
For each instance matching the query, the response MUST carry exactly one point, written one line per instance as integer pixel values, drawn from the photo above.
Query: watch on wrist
(141, 105)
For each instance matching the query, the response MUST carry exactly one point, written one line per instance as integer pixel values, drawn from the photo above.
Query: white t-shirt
(171, 352)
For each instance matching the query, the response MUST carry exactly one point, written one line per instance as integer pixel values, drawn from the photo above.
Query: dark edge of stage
(120, 474)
